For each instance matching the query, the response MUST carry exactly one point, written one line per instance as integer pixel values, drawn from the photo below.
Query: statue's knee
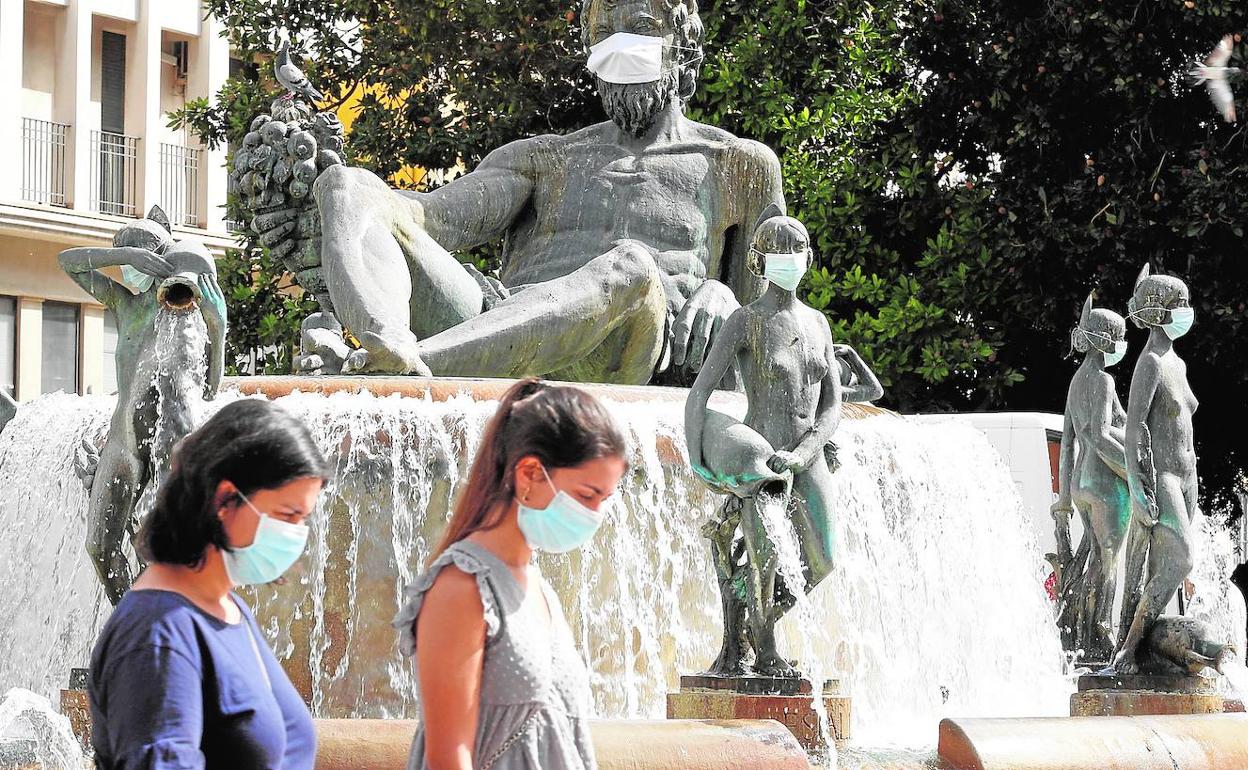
(633, 266)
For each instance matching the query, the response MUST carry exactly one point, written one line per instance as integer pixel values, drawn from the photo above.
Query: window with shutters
(59, 364)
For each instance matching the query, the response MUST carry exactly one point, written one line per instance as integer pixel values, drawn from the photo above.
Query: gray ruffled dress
(534, 690)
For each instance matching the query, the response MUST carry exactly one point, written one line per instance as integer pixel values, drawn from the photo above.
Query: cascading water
(935, 607)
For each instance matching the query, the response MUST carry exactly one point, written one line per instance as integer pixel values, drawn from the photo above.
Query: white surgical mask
(1114, 356)
(626, 58)
(136, 279)
(277, 546)
(566, 523)
(1180, 323)
(784, 269)
(1181, 319)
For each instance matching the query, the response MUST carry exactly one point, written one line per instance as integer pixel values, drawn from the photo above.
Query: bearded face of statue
(634, 106)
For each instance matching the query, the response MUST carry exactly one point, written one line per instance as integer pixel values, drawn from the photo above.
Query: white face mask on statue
(785, 269)
(626, 58)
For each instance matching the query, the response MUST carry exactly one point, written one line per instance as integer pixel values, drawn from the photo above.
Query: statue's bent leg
(1109, 520)
(726, 552)
(812, 520)
(603, 322)
(762, 587)
(114, 493)
(379, 265)
(1169, 562)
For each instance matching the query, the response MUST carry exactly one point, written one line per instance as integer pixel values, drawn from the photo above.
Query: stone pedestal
(1106, 695)
(788, 701)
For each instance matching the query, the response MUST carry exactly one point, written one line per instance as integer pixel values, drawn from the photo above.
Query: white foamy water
(28, 719)
(935, 607)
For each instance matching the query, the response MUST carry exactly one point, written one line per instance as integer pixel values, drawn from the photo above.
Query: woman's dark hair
(561, 426)
(252, 443)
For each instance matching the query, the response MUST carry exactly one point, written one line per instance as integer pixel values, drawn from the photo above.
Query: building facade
(85, 90)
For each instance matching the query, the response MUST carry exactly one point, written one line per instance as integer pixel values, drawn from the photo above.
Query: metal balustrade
(179, 183)
(114, 173)
(44, 161)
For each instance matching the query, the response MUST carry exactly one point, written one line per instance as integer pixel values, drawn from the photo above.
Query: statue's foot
(386, 355)
(324, 349)
(728, 666)
(1125, 663)
(774, 665)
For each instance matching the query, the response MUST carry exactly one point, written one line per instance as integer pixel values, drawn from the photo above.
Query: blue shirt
(174, 687)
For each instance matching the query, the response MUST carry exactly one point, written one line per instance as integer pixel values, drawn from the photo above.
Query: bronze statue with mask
(1161, 463)
(778, 456)
(623, 244)
(1092, 480)
(159, 376)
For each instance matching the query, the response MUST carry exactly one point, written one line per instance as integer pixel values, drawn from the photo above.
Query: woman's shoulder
(470, 577)
(148, 620)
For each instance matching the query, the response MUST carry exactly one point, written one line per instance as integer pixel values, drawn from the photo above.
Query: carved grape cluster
(272, 177)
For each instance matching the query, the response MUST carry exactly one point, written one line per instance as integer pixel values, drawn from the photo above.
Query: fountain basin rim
(478, 388)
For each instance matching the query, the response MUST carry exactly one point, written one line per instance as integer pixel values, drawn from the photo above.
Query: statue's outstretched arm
(479, 206)
(720, 357)
(82, 265)
(1144, 382)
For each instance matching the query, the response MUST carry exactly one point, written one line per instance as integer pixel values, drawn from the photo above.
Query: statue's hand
(1062, 506)
(145, 261)
(698, 322)
(214, 302)
(786, 461)
(1146, 515)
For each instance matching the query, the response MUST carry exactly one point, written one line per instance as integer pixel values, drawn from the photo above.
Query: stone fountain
(626, 257)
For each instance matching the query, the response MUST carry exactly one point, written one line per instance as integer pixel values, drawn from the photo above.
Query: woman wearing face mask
(1161, 461)
(1093, 478)
(181, 676)
(501, 682)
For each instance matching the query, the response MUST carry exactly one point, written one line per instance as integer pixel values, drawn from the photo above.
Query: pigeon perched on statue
(292, 78)
(1214, 74)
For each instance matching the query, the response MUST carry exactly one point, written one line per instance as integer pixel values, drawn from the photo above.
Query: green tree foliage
(968, 169)
(1089, 153)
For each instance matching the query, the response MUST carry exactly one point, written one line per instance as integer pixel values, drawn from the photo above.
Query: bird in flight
(1214, 73)
(292, 78)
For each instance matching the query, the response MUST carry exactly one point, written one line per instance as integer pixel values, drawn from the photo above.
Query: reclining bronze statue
(623, 244)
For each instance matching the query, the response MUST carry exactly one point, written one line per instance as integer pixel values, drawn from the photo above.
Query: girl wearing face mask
(1092, 478)
(181, 676)
(501, 682)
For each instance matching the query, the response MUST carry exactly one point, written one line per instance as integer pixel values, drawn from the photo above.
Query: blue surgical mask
(278, 545)
(1181, 319)
(784, 269)
(564, 524)
(1120, 351)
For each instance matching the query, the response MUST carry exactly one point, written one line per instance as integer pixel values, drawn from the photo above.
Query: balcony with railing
(179, 183)
(114, 173)
(44, 161)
